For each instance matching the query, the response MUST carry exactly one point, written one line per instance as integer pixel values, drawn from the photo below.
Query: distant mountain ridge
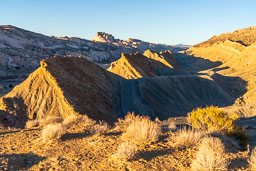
(20, 48)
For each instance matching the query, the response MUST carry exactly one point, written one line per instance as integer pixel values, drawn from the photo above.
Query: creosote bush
(210, 156)
(126, 151)
(214, 119)
(211, 118)
(142, 129)
(53, 132)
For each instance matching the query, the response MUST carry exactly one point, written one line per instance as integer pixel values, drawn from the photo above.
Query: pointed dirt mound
(64, 86)
(150, 64)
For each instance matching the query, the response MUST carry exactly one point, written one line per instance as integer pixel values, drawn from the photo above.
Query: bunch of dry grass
(53, 132)
(128, 119)
(252, 159)
(100, 128)
(210, 155)
(142, 129)
(126, 151)
(186, 137)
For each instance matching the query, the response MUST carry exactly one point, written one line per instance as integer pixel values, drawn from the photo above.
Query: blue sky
(159, 21)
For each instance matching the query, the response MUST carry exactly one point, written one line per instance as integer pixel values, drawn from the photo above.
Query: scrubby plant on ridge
(142, 129)
(210, 156)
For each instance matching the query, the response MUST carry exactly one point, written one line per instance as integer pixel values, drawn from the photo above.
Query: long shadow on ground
(19, 161)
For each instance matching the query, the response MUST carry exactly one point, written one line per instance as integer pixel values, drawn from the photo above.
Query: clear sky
(159, 21)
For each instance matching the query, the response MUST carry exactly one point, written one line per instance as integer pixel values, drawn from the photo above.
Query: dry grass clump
(128, 119)
(53, 132)
(100, 128)
(186, 137)
(142, 129)
(252, 159)
(210, 155)
(126, 151)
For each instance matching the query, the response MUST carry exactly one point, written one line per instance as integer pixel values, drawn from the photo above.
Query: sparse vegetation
(126, 151)
(53, 132)
(142, 129)
(252, 159)
(186, 137)
(210, 155)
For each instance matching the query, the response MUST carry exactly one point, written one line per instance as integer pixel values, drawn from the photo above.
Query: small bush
(100, 128)
(53, 132)
(186, 138)
(252, 159)
(126, 151)
(142, 129)
(128, 119)
(210, 155)
(211, 118)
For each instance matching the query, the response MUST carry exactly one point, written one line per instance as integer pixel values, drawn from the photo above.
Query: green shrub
(214, 119)
(211, 118)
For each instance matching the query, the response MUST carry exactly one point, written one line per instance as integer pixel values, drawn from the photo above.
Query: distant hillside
(246, 37)
(24, 49)
(236, 52)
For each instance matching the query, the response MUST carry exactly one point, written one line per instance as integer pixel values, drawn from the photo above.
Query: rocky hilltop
(148, 64)
(236, 53)
(24, 49)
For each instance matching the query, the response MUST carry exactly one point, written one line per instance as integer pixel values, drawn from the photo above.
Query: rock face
(104, 37)
(236, 52)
